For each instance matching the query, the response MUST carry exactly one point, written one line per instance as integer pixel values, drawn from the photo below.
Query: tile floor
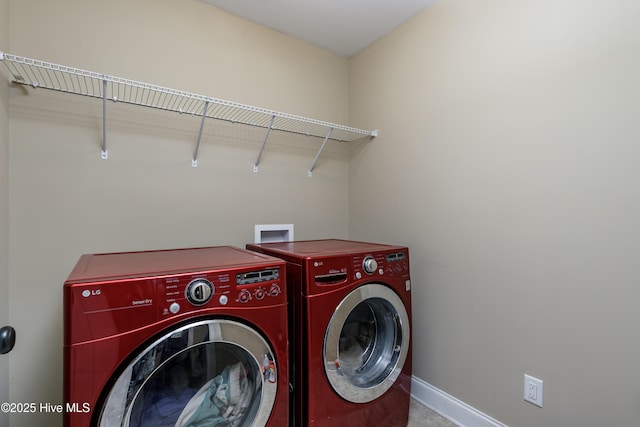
(421, 416)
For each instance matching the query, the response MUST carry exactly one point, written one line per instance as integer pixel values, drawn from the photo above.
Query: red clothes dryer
(176, 338)
(350, 320)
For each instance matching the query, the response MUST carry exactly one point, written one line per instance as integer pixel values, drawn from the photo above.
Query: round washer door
(366, 343)
(209, 372)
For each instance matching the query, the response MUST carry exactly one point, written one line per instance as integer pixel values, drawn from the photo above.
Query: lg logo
(87, 293)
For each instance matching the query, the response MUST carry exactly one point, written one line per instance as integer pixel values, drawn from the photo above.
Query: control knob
(244, 296)
(199, 291)
(274, 290)
(370, 265)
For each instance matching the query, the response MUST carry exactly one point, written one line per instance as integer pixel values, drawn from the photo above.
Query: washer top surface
(123, 265)
(315, 248)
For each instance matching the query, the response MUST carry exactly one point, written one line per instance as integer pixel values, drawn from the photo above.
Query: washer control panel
(381, 264)
(397, 263)
(186, 293)
(324, 272)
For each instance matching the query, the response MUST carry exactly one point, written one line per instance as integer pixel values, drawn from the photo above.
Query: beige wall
(65, 200)
(4, 208)
(508, 162)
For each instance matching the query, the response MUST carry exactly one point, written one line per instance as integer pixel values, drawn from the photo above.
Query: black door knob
(7, 339)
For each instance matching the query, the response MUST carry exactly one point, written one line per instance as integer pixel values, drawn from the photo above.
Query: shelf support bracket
(255, 165)
(313, 165)
(105, 153)
(194, 161)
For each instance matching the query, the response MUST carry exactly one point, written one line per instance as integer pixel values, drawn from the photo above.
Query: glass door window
(366, 343)
(207, 373)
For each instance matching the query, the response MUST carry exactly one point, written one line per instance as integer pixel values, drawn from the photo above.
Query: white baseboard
(449, 407)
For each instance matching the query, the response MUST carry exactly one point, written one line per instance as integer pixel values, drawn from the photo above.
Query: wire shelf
(62, 78)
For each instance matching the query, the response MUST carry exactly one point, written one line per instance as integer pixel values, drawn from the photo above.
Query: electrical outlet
(533, 390)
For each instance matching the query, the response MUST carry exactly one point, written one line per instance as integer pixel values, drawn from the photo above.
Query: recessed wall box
(270, 233)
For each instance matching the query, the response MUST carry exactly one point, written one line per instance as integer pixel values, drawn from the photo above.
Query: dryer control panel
(220, 289)
(114, 293)
(112, 307)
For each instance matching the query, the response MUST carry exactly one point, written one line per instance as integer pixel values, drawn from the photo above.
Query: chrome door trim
(340, 383)
(116, 411)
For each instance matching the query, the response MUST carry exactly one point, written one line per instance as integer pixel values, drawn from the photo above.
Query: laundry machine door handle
(7, 339)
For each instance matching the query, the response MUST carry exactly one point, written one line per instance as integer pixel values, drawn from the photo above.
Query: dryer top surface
(122, 265)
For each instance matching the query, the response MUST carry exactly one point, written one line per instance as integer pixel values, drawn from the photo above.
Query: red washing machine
(175, 338)
(350, 330)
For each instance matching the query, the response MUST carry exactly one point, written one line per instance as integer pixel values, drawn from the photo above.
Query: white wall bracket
(194, 161)
(313, 165)
(104, 154)
(264, 142)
